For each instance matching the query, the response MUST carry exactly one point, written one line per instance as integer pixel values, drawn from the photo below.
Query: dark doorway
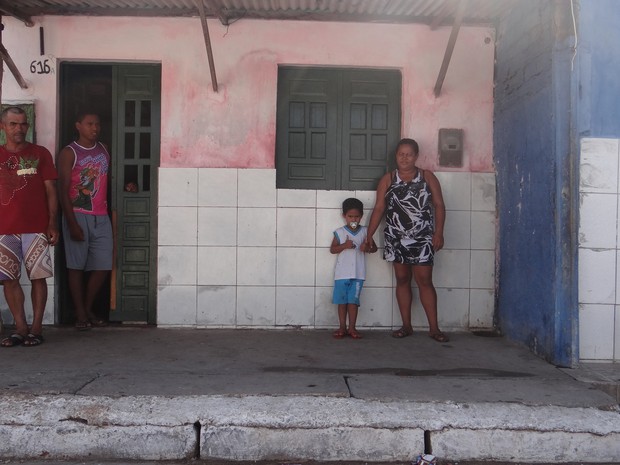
(127, 98)
(82, 86)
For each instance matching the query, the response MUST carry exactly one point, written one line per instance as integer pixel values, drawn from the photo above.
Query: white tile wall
(259, 257)
(599, 250)
(596, 332)
(217, 226)
(234, 251)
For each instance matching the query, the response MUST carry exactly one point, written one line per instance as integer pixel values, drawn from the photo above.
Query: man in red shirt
(28, 211)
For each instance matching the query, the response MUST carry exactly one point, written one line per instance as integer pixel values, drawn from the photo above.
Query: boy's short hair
(352, 204)
(83, 113)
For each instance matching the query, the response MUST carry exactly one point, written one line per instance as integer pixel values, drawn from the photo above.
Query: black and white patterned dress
(409, 222)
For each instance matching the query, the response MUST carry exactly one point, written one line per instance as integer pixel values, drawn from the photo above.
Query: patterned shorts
(32, 250)
(409, 251)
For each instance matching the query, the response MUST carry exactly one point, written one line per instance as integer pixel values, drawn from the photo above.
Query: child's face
(353, 217)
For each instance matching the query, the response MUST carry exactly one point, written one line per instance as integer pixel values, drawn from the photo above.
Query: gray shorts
(95, 251)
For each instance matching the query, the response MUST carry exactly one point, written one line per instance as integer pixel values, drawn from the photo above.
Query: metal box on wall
(450, 147)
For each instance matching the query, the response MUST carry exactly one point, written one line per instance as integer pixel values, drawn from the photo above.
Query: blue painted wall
(598, 61)
(536, 192)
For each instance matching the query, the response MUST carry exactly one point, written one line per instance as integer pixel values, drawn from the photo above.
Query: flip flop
(13, 340)
(355, 334)
(339, 333)
(33, 340)
(83, 325)
(439, 337)
(401, 333)
(97, 323)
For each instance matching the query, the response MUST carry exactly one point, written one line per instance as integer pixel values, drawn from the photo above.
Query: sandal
(33, 340)
(97, 323)
(83, 325)
(402, 332)
(355, 334)
(439, 337)
(13, 340)
(339, 333)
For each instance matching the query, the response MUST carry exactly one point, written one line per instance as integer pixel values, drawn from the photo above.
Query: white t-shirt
(351, 263)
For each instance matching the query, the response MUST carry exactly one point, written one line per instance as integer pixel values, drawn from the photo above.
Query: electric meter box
(450, 147)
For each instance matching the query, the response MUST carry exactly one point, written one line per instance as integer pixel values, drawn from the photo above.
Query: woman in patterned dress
(411, 202)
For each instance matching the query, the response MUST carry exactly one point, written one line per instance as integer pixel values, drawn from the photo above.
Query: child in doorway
(350, 244)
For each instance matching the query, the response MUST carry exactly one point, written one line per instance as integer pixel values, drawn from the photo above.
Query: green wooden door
(336, 127)
(137, 107)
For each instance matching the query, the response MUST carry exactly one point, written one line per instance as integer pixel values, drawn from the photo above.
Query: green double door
(128, 100)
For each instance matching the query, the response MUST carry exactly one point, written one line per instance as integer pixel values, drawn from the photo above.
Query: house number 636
(40, 67)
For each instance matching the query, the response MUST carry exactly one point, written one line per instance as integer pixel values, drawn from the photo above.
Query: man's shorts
(95, 251)
(31, 249)
(347, 291)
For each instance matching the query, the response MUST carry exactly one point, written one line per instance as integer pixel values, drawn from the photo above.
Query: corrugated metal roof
(432, 12)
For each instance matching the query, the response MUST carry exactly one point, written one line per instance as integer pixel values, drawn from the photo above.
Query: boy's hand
(348, 244)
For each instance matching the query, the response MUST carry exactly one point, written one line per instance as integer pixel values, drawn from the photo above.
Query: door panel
(137, 107)
(335, 126)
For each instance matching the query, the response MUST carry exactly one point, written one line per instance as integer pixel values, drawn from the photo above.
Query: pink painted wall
(236, 126)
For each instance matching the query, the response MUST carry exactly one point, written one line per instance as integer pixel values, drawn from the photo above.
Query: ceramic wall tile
(452, 268)
(217, 266)
(178, 187)
(482, 269)
(597, 228)
(176, 306)
(482, 230)
(256, 306)
(327, 221)
(596, 328)
(378, 272)
(456, 190)
(295, 266)
(481, 308)
(295, 306)
(375, 307)
(597, 276)
(257, 187)
(368, 199)
(296, 198)
(178, 226)
(617, 335)
(457, 230)
(598, 170)
(325, 312)
(217, 187)
(452, 308)
(325, 263)
(296, 227)
(332, 199)
(483, 192)
(217, 305)
(176, 266)
(217, 226)
(256, 227)
(256, 266)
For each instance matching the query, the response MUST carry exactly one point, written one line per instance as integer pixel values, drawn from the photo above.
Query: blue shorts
(347, 291)
(95, 251)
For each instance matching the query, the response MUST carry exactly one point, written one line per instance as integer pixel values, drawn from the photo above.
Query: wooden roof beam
(8, 8)
(205, 32)
(4, 55)
(456, 26)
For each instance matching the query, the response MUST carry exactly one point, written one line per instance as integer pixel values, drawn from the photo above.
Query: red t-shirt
(23, 199)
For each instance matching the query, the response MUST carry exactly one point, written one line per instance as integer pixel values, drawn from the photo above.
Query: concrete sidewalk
(164, 394)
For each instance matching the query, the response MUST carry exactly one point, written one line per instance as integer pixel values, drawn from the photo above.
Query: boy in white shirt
(350, 244)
